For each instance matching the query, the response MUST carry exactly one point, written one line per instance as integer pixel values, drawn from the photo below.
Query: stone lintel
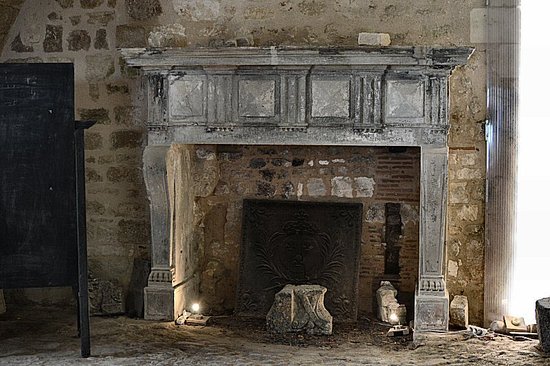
(312, 136)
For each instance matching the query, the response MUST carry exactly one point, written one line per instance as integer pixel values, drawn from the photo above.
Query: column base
(431, 312)
(159, 303)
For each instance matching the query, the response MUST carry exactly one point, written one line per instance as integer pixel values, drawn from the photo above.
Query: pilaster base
(159, 303)
(431, 312)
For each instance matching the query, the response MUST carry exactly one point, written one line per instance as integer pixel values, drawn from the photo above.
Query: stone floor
(46, 336)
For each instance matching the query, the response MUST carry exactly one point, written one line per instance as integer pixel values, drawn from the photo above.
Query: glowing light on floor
(195, 308)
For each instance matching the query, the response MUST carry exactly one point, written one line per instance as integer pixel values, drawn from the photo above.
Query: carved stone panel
(289, 242)
(431, 313)
(186, 98)
(405, 100)
(330, 98)
(257, 99)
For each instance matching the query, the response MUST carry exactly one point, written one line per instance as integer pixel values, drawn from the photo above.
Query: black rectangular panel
(296, 242)
(37, 170)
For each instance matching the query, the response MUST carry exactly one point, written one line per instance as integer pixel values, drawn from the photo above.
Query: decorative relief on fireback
(287, 242)
(300, 254)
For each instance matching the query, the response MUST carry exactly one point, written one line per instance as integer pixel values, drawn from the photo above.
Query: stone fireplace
(207, 103)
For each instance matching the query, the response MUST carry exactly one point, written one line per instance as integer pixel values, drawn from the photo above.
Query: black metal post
(83, 307)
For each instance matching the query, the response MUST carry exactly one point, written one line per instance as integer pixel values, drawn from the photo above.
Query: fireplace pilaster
(432, 298)
(159, 294)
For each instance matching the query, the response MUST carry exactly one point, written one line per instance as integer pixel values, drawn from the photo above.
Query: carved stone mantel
(394, 96)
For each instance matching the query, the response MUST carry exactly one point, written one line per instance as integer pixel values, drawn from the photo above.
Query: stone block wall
(84, 33)
(87, 33)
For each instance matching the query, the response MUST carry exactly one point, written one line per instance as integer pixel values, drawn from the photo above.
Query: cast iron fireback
(290, 242)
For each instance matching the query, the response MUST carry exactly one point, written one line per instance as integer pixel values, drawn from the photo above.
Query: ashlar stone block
(374, 39)
(342, 187)
(300, 308)
(316, 187)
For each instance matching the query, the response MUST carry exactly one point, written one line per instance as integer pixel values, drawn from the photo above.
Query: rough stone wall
(466, 202)
(372, 176)
(8, 13)
(87, 32)
(84, 32)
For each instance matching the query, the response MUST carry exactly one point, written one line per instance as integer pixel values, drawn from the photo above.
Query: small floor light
(195, 308)
(193, 317)
(394, 319)
(196, 318)
(397, 329)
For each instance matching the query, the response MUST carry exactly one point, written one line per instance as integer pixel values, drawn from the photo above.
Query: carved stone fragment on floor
(300, 308)
(386, 299)
(459, 312)
(105, 297)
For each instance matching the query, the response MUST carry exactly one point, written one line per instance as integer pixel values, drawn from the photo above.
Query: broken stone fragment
(300, 308)
(498, 326)
(105, 297)
(387, 302)
(542, 308)
(515, 324)
(459, 312)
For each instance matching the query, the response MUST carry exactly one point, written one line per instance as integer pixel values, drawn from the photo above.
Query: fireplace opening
(214, 181)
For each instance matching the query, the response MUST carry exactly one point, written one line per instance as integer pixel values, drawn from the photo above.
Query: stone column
(432, 298)
(159, 293)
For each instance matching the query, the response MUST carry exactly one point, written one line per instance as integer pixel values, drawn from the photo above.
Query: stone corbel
(432, 298)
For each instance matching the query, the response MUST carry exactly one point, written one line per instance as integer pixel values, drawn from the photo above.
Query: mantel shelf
(297, 56)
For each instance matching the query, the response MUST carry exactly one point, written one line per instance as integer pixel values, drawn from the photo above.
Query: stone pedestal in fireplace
(395, 96)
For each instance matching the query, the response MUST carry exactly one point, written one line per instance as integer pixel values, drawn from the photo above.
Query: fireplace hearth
(300, 243)
(394, 97)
